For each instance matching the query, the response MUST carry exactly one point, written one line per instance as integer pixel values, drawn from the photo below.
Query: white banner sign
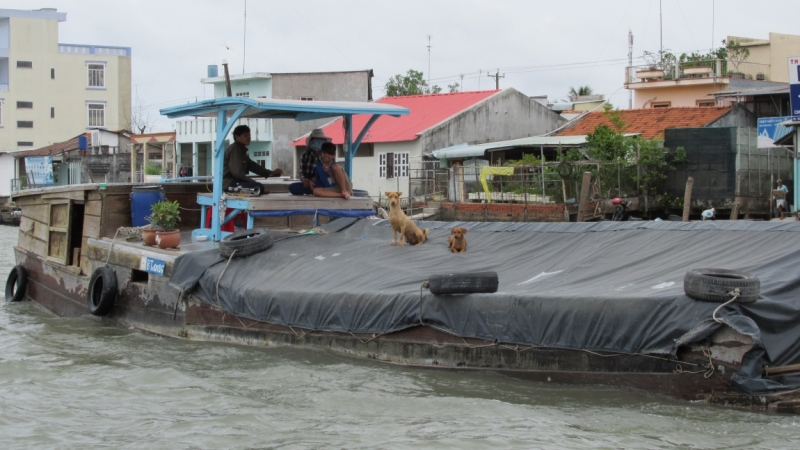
(39, 170)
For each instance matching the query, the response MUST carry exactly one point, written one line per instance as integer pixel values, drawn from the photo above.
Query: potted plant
(152, 173)
(165, 216)
(149, 232)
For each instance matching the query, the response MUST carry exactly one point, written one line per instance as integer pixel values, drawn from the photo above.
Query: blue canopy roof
(271, 108)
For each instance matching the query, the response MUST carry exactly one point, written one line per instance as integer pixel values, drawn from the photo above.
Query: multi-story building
(271, 140)
(50, 91)
(694, 83)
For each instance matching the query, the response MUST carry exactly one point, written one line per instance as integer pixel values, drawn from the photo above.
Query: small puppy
(458, 243)
(402, 224)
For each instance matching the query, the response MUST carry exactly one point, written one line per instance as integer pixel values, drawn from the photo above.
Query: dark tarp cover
(604, 286)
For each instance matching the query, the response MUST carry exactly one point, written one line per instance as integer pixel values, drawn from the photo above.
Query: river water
(76, 382)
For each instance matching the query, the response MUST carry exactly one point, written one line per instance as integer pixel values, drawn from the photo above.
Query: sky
(543, 47)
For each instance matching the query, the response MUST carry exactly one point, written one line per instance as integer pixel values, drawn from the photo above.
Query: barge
(587, 303)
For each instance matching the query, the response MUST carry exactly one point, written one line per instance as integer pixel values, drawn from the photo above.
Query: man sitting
(237, 165)
(308, 163)
(331, 179)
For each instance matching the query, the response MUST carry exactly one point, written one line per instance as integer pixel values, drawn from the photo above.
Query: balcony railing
(698, 69)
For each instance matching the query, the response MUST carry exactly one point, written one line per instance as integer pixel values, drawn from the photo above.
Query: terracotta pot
(149, 236)
(168, 239)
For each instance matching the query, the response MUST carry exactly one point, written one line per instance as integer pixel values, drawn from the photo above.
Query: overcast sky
(543, 47)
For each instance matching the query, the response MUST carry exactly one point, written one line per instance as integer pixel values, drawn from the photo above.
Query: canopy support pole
(224, 126)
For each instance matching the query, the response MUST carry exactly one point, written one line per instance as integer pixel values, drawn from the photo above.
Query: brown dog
(402, 224)
(458, 243)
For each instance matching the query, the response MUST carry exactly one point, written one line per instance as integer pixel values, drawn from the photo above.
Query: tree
(454, 88)
(582, 90)
(736, 53)
(140, 119)
(413, 83)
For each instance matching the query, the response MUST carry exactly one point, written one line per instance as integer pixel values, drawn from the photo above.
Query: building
(51, 91)
(104, 159)
(694, 83)
(395, 148)
(271, 144)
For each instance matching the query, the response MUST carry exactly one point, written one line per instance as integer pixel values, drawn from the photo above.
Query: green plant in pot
(152, 169)
(165, 216)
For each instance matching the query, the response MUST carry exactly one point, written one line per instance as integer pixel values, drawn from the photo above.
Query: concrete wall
(507, 115)
(678, 95)
(739, 116)
(330, 86)
(366, 175)
(500, 212)
(36, 40)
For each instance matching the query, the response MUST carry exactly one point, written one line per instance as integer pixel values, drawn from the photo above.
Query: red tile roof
(650, 123)
(426, 111)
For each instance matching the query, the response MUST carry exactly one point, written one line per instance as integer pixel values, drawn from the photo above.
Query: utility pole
(462, 83)
(630, 68)
(429, 61)
(496, 77)
(244, 50)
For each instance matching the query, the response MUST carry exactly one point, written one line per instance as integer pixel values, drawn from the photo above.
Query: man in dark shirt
(237, 165)
(308, 162)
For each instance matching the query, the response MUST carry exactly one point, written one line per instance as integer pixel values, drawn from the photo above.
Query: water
(75, 382)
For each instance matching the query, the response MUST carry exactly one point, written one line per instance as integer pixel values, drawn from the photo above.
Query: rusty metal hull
(153, 306)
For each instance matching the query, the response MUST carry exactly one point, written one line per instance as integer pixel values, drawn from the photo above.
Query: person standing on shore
(781, 202)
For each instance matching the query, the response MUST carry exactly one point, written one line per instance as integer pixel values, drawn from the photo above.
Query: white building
(271, 140)
(51, 91)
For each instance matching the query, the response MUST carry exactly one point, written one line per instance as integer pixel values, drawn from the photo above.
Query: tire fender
(716, 285)
(246, 242)
(463, 283)
(16, 284)
(102, 291)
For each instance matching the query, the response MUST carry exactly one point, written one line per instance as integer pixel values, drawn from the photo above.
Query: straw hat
(317, 133)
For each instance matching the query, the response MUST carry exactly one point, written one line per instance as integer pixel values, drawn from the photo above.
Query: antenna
(712, 24)
(429, 61)
(244, 50)
(660, 32)
(462, 83)
(630, 68)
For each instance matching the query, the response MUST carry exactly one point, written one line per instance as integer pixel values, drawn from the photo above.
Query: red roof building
(650, 123)
(395, 147)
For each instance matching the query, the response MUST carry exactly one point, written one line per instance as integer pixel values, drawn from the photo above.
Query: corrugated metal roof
(772, 90)
(50, 150)
(478, 150)
(426, 112)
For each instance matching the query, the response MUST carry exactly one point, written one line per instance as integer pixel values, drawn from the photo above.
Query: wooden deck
(287, 202)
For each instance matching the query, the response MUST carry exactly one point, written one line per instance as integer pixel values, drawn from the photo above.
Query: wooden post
(564, 193)
(458, 170)
(145, 159)
(133, 163)
(587, 180)
(687, 199)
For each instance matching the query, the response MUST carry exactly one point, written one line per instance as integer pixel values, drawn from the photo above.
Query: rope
(735, 293)
(220, 278)
(108, 257)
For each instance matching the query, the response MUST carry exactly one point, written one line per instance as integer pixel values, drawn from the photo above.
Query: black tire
(16, 284)
(463, 283)
(564, 169)
(102, 291)
(619, 212)
(246, 242)
(715, 285)
(674, 218)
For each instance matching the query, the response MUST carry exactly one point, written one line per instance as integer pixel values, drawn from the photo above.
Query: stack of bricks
(501, 212)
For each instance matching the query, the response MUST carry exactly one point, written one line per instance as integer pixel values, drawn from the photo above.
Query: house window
(52, 112)
(365, 150)
(24, 124)
(1, 112)
(52, 74)
(24, 64)
(662, 105)
(393, 165)
(97, 77)
(243, 94)
(97, 114)
(706, 103)
(24, 144)
(24, 105)
(307, 99)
